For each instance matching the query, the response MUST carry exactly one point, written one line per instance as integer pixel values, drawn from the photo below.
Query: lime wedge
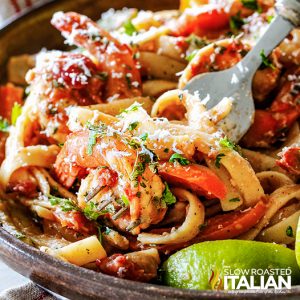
(297, 244)
(209, 265)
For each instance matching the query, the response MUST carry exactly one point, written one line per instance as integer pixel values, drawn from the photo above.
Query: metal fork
(236, 82)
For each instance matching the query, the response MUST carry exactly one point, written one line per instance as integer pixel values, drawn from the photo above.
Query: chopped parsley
(15, 113)
(289, 231)
(234, 200)
(168, 198)
(139, 169)
(236, 22)
(94, 133)
(176, 157)
(133, 143)
(195, 41)
(129, 28)
(142, 184)
(252, 4)
(270, 18)
(134, 107)
(125, 200)
(19, 235)
(90, 211)
(133, 125)
(218, 160)
(144, 136)
(4, 125)
(65, 204)
(266, 63)
(226, 143)
(191, 55)
(146, 157)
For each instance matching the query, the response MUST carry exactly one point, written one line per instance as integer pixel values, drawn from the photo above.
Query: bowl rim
(11, 21)
(10, 246)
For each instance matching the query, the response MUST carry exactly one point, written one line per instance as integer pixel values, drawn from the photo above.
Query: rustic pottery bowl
(28, 33)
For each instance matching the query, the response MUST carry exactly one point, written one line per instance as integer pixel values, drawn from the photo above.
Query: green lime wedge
(297, 244)
(211, 265)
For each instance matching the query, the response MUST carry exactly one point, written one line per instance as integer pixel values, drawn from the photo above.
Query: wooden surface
(9, 278)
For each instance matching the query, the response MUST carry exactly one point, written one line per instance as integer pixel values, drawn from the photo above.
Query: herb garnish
(65, 204)
(134, 107)
(133, 125)
(266, 63)
(191, 55)
(176, 157)
(4, 125)
(168, 198)
(252, 4)
(125, 200)
(94, 133)
(195, 41)
(129, 28)
(289, 231)
(226, 143)
(234, 200)
(15, 113)
(236, 22)
(218, 160)
(144, 136)
(19, 235)
(90, 211)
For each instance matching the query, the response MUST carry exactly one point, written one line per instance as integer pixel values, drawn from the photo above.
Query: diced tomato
(197, 178)
(232, 224)
(9, 94)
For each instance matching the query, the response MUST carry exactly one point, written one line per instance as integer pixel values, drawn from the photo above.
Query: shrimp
(273, 123)
(116, 59)
(58, 81)
(290, 159)
(127, 181)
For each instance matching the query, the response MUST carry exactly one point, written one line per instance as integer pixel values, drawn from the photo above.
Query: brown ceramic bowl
(28, 33)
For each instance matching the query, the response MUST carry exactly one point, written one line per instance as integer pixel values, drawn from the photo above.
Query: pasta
(123, 166)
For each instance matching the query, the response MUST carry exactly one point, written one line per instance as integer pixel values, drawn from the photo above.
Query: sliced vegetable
(232, 224)
(197, 178)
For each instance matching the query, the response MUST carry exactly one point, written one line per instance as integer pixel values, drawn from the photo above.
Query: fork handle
(288, 18)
